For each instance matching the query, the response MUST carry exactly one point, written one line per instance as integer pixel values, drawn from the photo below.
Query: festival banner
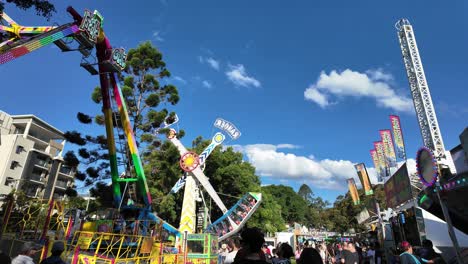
(398, 136)
(364, 177)
(376, 161)
(389, 150)
(353, 191)
(378, 145)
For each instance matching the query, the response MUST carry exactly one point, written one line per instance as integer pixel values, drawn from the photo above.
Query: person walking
(285, 253)
(250, 251)
(57, 249)
(407, 257)
(234, 243)
(350, 255)
(27, 252)
(310, 256)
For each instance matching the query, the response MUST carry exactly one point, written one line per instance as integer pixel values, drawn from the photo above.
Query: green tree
(145, 90)
(43, 7)
(293, 207)
(342, 216)
(306, 193)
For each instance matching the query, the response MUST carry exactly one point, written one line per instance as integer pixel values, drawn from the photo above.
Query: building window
(19, 149)
(14, 164)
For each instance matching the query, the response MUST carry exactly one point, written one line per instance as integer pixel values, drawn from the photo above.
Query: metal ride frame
(426, 115)
(87, 31)
(232, 220)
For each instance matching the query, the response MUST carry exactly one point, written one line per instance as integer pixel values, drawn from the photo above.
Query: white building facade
(31, 158)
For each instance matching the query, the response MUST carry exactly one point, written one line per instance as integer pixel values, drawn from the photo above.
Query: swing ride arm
(197, 172)
(17, 48)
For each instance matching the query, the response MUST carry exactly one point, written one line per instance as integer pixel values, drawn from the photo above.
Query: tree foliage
(43, 7)
(146, 94)
(293, 207)
(342, 216)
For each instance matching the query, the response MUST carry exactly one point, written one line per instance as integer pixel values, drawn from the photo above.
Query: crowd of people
(250, 248)
(29, 251)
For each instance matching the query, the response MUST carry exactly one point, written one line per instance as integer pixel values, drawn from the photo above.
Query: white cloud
(287, 146)
(180, 79)
(206, 84)
(213, 63)
(238, 75)
(324, 174)
(157, 36)
(379, 74)
(373, 84)
(314, 95)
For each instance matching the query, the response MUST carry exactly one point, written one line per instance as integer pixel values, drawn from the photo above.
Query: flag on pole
(364, 177)
(378, 169)
(378, 145)
(353, 191)
(389, 150)
(398, 136)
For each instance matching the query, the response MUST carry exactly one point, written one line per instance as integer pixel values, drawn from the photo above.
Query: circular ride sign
(426, 166)
(189, 161)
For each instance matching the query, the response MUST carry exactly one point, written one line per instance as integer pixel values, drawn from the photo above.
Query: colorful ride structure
(233, 219)
(146, 236)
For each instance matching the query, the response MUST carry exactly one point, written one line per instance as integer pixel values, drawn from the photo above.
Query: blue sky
(308, 83)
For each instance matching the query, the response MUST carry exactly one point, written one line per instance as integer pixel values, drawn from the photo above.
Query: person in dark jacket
(428, 252)
(251, 248)
(310, 256)
(57, 249)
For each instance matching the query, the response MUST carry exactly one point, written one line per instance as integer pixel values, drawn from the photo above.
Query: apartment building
(31, 157)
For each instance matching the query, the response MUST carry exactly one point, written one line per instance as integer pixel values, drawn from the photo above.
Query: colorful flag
(364, 177)
(378, 145)
(353, 191)
(398, 136)
(378, 170)
(389, 151)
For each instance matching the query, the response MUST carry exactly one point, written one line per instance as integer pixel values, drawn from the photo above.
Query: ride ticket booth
(202, 248)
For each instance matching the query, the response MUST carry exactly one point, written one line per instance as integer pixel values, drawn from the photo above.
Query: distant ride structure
(433, 161)
(233, 219)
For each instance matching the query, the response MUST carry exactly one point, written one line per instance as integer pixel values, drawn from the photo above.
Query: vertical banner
(378, 145)
(364, 177)
(353, 191)
(389, 150)
(376, 161)
(398, 136)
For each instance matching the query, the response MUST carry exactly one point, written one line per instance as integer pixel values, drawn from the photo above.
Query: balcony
(61, 184)
(67, 171)
(37, 178)
(42, 163)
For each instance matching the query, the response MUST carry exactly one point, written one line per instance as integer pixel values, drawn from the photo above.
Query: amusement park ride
(433, 161)
(232, 220)
(147, 239)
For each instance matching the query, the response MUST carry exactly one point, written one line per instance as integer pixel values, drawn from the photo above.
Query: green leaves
(152, 100)
(99, 119)
(43, 7)
(146, 138)
(74, 137)
(127, 91)
(83, 118)
(96, 95)
(70, 159)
